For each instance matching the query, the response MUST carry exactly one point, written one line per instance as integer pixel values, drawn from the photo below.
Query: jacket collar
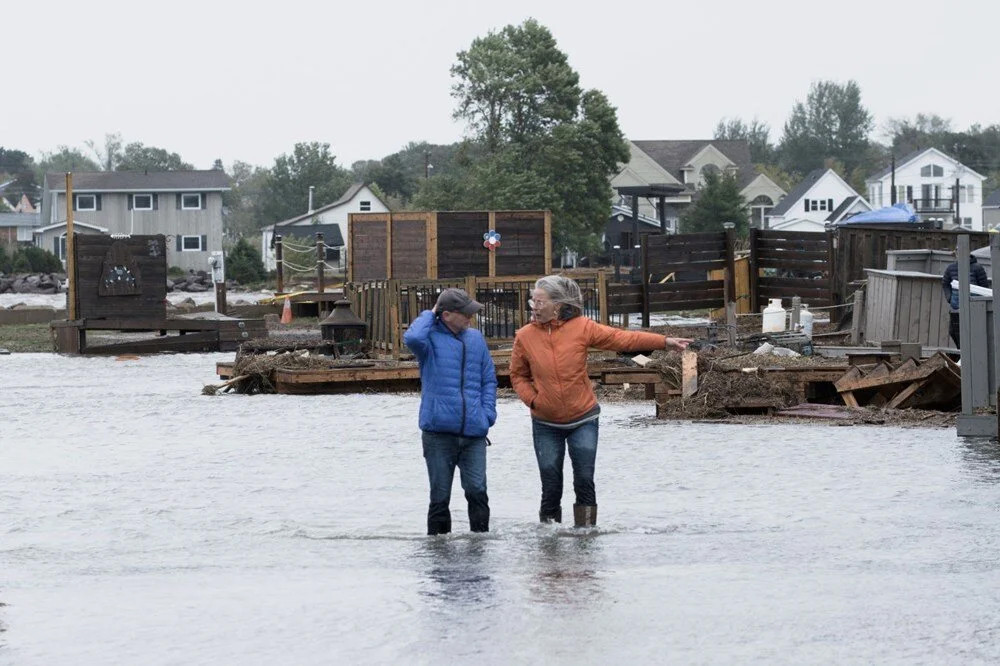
(555, 323)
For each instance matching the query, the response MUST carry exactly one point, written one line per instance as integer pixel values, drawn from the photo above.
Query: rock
(197, 287)
(187, 301)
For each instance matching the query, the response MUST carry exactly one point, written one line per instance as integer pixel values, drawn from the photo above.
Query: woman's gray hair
(565, 292)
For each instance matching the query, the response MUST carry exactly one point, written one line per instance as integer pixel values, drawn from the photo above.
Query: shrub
(243, 263)
(41, 261)
(176, 271)
(5, 263)
(20, 264)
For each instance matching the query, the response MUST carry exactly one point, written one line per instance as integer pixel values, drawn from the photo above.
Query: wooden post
(857, 317)
(831, 258)
(731, 323)
(965, 324)
(753, 272)
(71, 305)
(470, 289)
(395, 325)
(220, 298)
(995, 274)
(279, 261)
(320, 268)
(432, 245)
(493, 255)
(689, 373)
(388, 246)
(350, 248)
(602, 296)
(644, 275)
(548, 242)
(730, 287)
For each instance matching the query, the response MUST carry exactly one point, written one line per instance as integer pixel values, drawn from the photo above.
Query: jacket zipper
(555, 364)
(461, 386)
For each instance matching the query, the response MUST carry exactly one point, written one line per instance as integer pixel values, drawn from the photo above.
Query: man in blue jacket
(458, 405)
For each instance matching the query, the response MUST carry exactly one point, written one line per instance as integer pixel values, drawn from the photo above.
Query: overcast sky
(246, 80)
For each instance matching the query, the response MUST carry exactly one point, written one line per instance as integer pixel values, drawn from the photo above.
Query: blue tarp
(900, 213)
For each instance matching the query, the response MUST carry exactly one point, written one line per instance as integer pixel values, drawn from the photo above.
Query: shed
(446, 244)
(907, 306)
(919, 261)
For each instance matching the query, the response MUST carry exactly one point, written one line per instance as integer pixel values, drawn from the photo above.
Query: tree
(719, 201)
(285, 192)
(242, 213)
(831, 123)
(64, 159)
(138, 157)
(538, 140)
(110, 153)
(243, 263)
(18, 166)
(757, 135)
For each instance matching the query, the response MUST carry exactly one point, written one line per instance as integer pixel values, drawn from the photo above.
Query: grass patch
(26, 338)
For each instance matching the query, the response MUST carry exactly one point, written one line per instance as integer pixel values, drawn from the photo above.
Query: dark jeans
(550, 450)
(954, 329)
(443, 452)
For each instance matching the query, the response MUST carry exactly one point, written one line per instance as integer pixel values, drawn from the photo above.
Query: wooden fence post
(280, 263)
(602, 296)
(831, 259)
(754, 272)
(471, 285)
(644, 276)
(320, 266)
(730, 290)
(856, 317)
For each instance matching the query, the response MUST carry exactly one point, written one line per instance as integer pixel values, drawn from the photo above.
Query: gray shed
(907, 306)
(919, 261)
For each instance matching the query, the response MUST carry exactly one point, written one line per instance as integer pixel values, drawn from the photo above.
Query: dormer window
(932, 171)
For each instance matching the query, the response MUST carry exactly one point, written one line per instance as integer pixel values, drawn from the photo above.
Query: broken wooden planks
(935, 383)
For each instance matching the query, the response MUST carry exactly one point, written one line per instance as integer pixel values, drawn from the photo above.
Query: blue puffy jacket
(458, 381)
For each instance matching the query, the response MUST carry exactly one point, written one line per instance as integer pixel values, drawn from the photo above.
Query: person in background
(458, 398)
(977, 276)
(548, 369)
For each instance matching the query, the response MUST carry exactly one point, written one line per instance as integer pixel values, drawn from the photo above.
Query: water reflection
(982, 456)
(566, 571)
(456, 570)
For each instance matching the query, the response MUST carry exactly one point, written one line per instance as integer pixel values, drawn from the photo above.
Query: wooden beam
(388, 246)
(492, 225)
(548, 242)
(689, 373)
(432, 245)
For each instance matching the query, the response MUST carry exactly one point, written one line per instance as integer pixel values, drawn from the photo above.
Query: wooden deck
(206, 332)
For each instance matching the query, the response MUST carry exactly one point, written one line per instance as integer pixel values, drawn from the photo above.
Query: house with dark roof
(685, 163)
(940, 189)
(18, 228)
(186, 206)
(330, 220)
(991, 211)
(821, 197)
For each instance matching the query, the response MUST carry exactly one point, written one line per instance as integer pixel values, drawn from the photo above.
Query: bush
(176, 271)
(20, 264)
(42, 261)
(6, 265)
(244, 264)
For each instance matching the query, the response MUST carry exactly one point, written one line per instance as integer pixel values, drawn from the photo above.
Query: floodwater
(144, 523)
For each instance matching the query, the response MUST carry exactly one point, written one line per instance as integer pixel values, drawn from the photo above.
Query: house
(330, 220)
(927, 179)
(685, 163)
(991, 211)
(185, 206)
(821, 197)
(17, 228)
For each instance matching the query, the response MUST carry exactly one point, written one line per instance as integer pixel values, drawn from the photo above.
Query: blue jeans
(443, 452)
(550, 449)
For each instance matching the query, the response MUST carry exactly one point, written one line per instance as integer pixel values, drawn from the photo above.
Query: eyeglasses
(537, 304)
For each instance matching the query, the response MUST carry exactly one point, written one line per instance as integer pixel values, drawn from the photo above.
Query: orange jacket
(548, 366)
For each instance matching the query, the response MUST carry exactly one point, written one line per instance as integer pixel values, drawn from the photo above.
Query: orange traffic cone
(286, 312)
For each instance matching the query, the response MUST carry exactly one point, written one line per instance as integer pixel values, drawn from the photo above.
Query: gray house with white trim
(186, 206)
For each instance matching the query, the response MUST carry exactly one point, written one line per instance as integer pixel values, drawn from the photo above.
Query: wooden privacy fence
(784, 264)
(675, 272)
(388, 307)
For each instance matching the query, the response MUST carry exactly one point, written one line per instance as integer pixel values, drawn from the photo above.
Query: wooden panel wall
(460, 244)
(906, 307)
(803, 261)
(149, 254)
(409, 246)
(522, 248)
(368, 259)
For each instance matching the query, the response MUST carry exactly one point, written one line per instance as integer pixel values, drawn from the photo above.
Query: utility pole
(892, 182)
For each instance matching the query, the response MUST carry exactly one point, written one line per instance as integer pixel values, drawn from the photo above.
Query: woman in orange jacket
(548, 369)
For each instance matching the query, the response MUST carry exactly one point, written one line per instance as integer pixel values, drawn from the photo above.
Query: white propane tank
(806, 321)
(774, 317)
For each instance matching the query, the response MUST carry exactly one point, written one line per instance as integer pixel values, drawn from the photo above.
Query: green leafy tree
(286, 189)
(20, 263)
(832, 123)
(243, 263)
(41, 261)
(242, 205)
(139, 157)
(6, 266)
(18, 166)
(109, 154)
(538, 140)
(719, 201)
(756, 133)
(64, 159)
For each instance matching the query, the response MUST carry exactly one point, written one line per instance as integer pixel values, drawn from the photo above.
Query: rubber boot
(584, 515)
(550, 516)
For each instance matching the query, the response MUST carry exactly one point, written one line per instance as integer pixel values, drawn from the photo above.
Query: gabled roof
(140, 181)
(839, 211)
(798, 192)
(911, 157)
(992, 199)
(673, 155)
(76, 223)
(627, 212)
(351, 192)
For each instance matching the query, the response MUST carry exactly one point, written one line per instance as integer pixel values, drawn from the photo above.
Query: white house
(330, 219)
(822, 197)
(926, 179)
(685, 163)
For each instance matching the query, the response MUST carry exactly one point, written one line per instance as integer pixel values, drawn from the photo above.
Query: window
(932, 171)
(966, 194)
(967, 222)
(86, 202)
(191, 244)
(142, 201)
(191, 201)
(365, 206)
(822, 204)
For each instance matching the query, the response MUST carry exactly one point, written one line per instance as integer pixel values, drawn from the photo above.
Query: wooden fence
(784, 264)
(388, 307)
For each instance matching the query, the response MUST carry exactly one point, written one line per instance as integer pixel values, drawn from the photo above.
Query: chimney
(311, 188)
